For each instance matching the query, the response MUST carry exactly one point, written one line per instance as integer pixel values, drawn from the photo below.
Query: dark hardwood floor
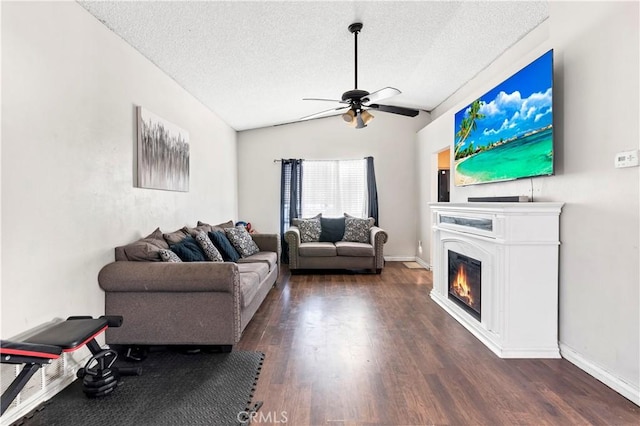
(365, 349)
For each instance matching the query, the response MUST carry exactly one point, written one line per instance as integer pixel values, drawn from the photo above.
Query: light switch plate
(626, 159)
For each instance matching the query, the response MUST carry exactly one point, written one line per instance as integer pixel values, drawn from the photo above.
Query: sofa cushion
(267, 257)
(145, 249)
(210, 228)
(332, 229)
(310, 230)
(176, 236)
(224, 246)
(249, 285)
(348, 248)
(188, 250)
(260, 268)
(242, 241)
(207, 246)
(168, 256)
(317, 249)
(357, 230)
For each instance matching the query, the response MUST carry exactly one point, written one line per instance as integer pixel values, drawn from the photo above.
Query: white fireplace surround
(518, 245)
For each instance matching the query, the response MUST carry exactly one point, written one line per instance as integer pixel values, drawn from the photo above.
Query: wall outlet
(626, 159)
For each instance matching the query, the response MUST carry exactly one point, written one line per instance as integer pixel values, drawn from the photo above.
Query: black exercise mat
(174, 389)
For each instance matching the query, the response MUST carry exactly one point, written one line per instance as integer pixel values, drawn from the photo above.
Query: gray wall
(595, 115)
(69, 91)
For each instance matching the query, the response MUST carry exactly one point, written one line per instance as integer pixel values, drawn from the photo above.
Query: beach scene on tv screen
(508, 132)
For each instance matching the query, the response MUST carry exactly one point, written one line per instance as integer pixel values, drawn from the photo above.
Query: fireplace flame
(462, 288)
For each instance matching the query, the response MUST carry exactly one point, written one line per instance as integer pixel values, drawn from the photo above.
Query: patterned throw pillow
(210, 250)
(168, 256)
(357, 230)
(310, 230)
(242, 241)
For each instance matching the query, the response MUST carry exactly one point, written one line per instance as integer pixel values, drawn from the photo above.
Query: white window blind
(334, 187)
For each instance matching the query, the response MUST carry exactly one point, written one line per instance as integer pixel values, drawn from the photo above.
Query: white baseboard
(399, 258)
(629, 391)
(422, 263)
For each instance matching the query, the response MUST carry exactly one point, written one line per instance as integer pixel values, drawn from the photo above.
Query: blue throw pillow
(188, 250)
(224, 246)
(332, 229)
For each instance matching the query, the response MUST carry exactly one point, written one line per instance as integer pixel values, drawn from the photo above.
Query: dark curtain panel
(372, 191)
(290, 198)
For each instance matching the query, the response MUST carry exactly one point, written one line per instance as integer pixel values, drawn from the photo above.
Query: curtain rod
(342, 159)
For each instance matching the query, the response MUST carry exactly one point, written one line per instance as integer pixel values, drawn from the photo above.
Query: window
(334, 187)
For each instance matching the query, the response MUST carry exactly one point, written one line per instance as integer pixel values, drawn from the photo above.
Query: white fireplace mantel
(517, 245)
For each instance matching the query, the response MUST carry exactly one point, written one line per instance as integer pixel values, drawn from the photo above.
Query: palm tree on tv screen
(468, 124)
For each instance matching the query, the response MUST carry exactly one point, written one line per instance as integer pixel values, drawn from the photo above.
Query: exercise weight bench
(99, 375)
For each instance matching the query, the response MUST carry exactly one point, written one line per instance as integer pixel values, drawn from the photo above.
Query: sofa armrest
(292, 236)
(378, 238)
(125, 276)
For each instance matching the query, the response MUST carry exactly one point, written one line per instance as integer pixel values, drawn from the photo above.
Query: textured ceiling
(253, 62)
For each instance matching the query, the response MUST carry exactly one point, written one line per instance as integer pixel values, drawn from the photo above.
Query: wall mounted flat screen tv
(508, 132)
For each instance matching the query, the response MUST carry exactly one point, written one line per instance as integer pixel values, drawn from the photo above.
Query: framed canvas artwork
(163, 153)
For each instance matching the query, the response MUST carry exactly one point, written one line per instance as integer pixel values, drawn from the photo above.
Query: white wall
(69, 91)
(389, 138)
(596, 110)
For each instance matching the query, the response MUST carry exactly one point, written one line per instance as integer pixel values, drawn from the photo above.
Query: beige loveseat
(190, 303)
(338, 254)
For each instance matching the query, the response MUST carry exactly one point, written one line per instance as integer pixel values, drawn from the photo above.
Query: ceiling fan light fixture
(367, 117)
(348, 116)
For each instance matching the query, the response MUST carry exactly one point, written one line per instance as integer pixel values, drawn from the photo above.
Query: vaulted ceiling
(252, 63)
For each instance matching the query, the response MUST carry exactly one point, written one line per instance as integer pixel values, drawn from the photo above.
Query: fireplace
(465, 282)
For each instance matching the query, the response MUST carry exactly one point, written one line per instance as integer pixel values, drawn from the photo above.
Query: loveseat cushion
(317, 249)
(267, 257)
(348, 248)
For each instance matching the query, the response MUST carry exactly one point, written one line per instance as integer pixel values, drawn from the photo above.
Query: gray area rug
(174, 389)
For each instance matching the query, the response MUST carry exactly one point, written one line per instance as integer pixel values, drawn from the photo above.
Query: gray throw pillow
(147, 248)
(310, 230)
(357, 230)
(210, 250)
(168, 256)
(242, 241)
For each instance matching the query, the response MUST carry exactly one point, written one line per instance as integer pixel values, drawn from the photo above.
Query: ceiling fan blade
(409, 112)
(326, 100)
(321, 113)
(385, 93)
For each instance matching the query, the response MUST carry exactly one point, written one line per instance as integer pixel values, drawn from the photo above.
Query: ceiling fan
(357, 100)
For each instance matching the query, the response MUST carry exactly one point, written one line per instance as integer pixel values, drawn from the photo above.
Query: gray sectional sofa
(189, 303)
